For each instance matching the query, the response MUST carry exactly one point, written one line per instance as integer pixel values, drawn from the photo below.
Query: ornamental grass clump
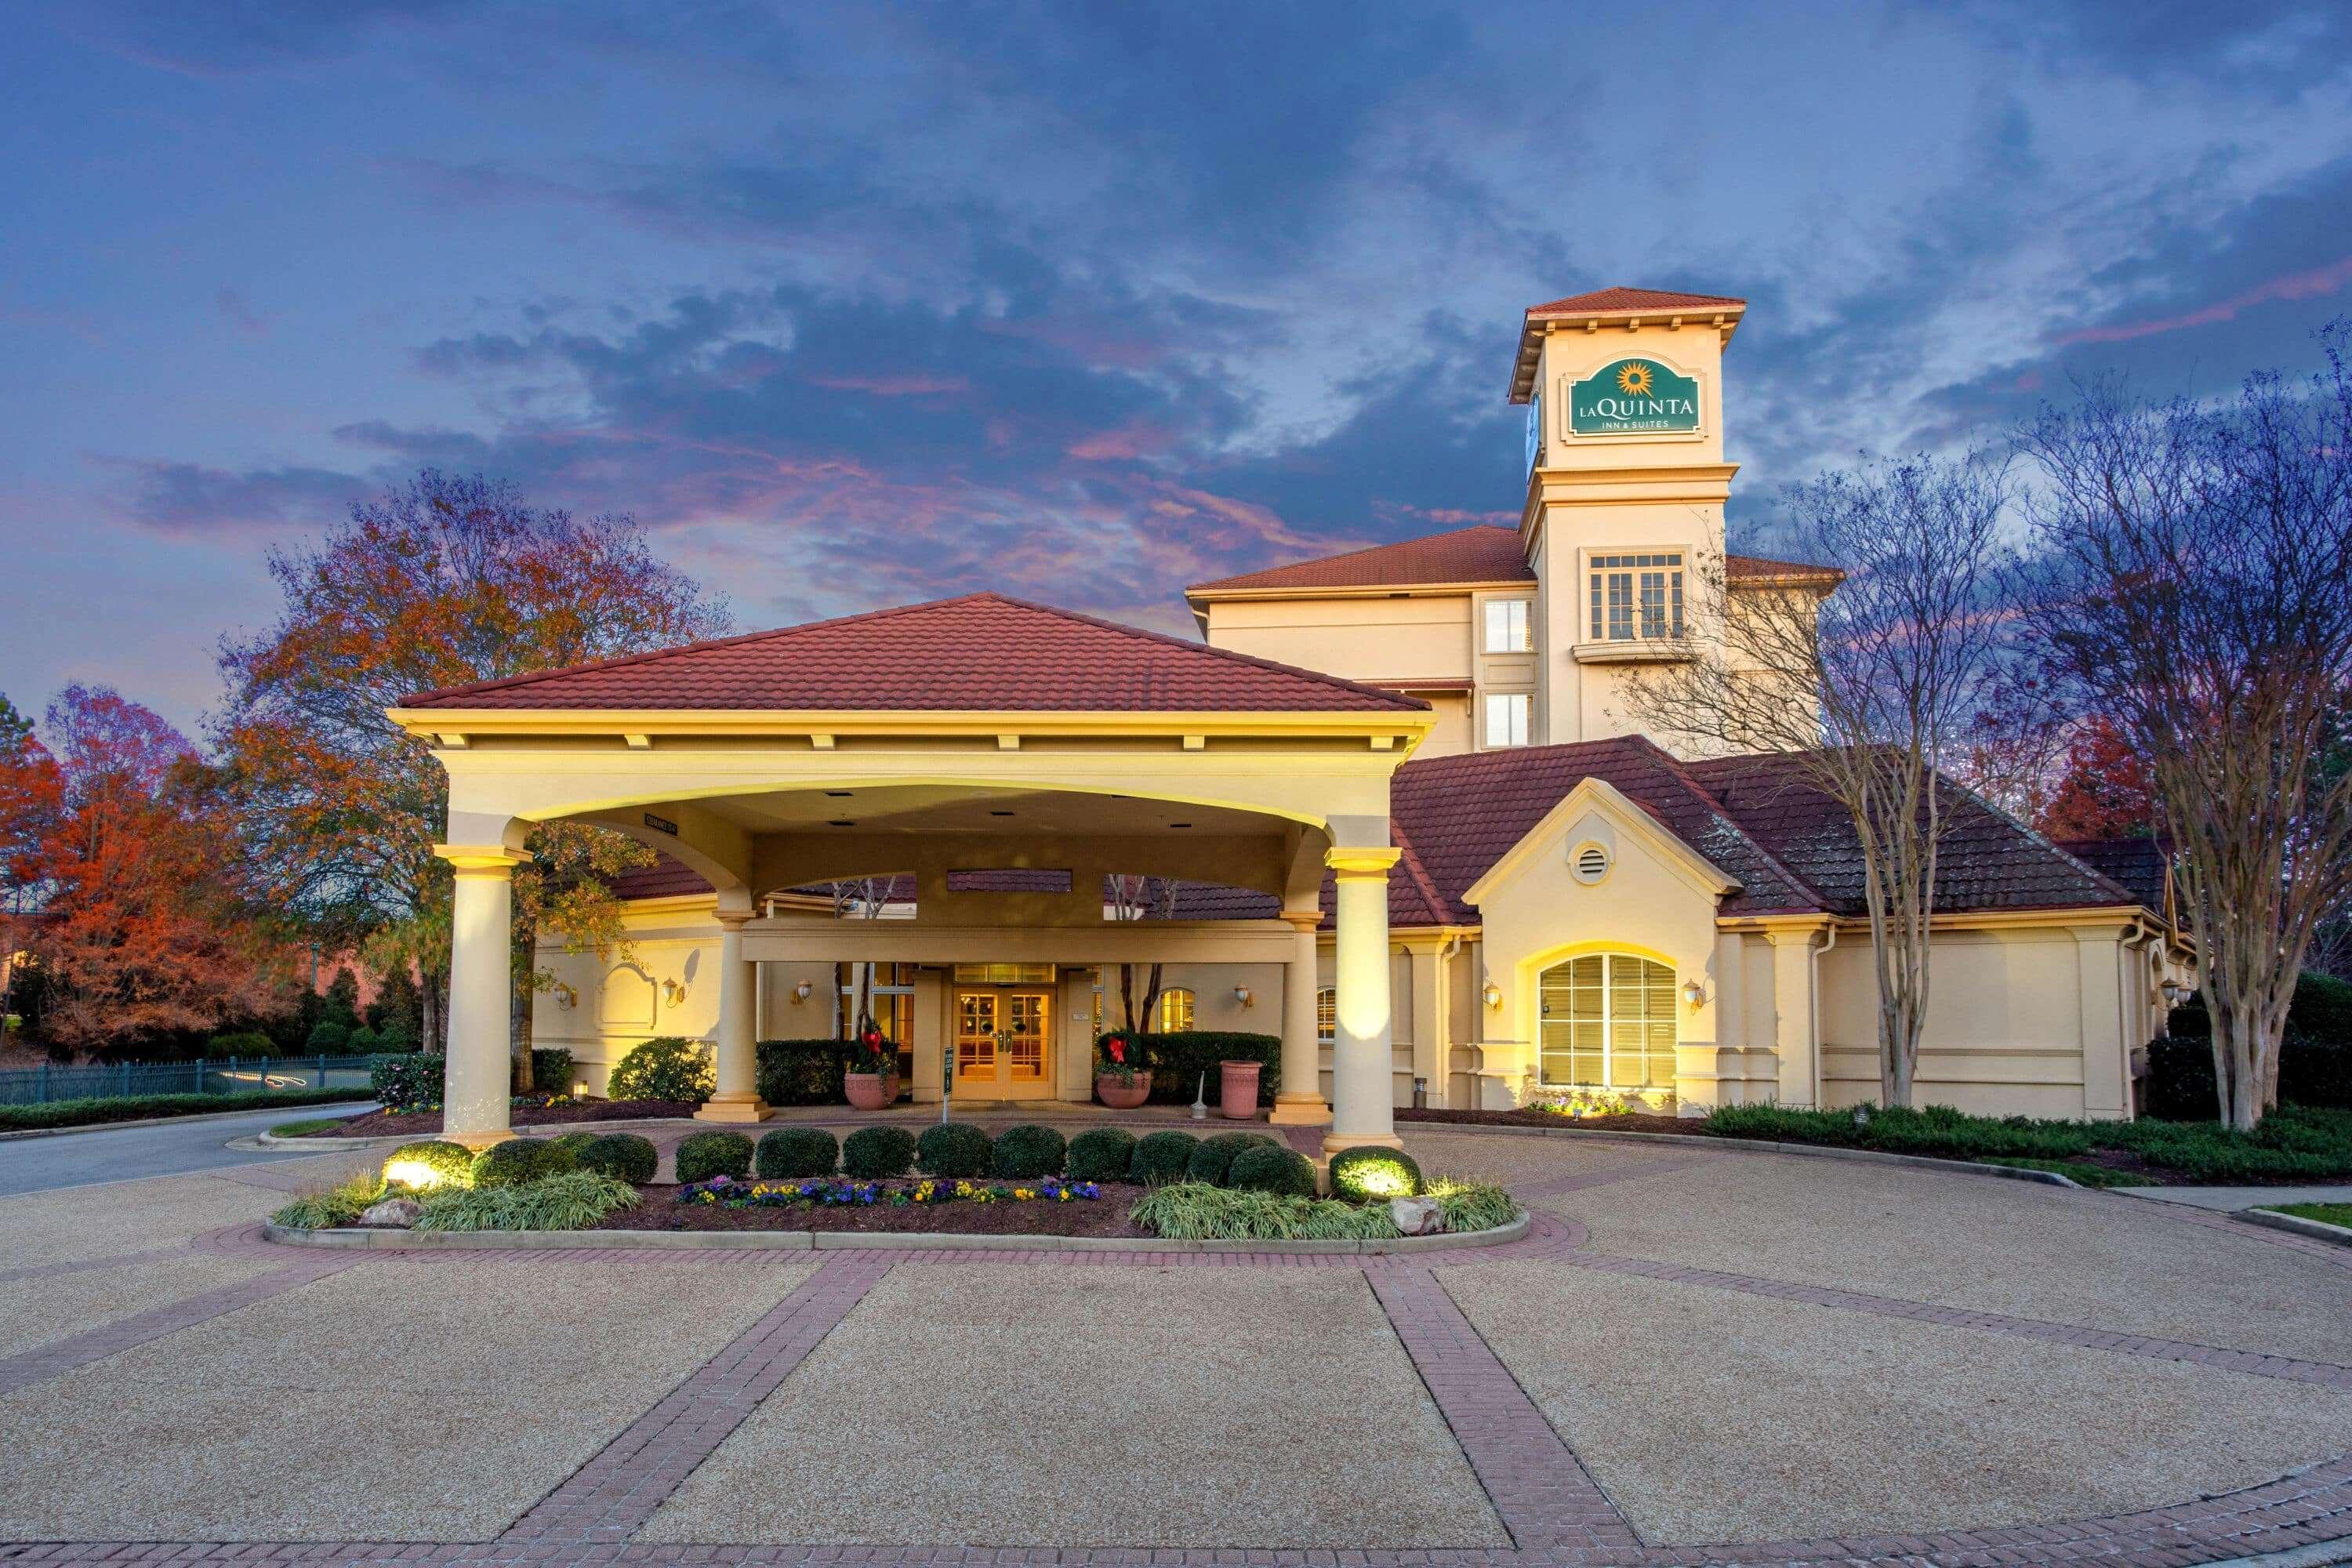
(622, 1156)
(702, 1155)
(1027, 1153)
(877, 1154)
(1101, 1155)
(1368, 1174)
(331, 1209)
(428, 1164)
(519, 1160)
(797, 1151)
(954, 1149)
(1471, 1205)
(1194, 1211)
(567, 1201)
(1268, 1167)
(1215, 1157)
(1161, 1157)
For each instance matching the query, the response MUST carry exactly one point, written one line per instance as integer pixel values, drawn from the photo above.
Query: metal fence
(211, 1075)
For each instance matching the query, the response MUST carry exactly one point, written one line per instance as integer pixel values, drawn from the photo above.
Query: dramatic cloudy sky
(855, 306)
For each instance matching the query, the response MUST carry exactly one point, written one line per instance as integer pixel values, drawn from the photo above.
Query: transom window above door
(1506, 626)
(1637, 597)
(1607, 1020)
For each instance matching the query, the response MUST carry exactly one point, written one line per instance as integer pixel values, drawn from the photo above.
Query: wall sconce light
(674, 991)
(1493, 994)
(801, 992)
(1693, 993)
(2174, 993)
(1242, 995)
(565, 997)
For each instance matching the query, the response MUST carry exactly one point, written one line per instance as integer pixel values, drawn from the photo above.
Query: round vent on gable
(1590, 862)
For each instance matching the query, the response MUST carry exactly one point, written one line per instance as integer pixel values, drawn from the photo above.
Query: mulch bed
(1552, 1121)
(1104, 1215)
(424, 1124)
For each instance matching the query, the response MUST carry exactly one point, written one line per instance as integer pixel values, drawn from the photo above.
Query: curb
(2318, 1229)
(1756, 1146)
(857, 1241)
(197, 1119)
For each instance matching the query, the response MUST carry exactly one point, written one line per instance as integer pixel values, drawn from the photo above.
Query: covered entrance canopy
(942, 740)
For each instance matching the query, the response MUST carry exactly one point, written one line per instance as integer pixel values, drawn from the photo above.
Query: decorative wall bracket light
(673, 992)
(1492, 994)
(565, 997)
(2173, 992)
(801, 992)
(1242, 995)
(1695, 994)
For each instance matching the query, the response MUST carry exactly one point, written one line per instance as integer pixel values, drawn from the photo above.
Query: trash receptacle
(1240, 1099)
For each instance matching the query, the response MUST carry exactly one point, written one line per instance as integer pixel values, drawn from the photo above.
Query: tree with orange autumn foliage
(2106, 791)
(124, 834)
(443, 581)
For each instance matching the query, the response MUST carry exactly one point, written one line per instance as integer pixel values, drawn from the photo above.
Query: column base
(1299, 1111)
(1335, 1142)
(735, 1108)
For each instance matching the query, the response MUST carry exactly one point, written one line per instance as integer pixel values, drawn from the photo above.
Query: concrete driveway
(164, 1148)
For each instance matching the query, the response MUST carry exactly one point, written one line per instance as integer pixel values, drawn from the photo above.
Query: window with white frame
(1508, 714)
(1175, 1010)
(1607, 1020)
(1326, 1014)
(1637, 597)
(1506, 626)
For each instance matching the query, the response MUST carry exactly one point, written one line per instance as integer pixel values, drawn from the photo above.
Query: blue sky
(853, 306)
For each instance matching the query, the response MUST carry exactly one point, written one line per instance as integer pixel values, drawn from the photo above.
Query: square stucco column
(1301, 1102)
(1363, 1066)
(738, 1098)
(477, 1085)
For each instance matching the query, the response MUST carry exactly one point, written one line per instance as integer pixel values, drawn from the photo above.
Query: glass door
(1002, 1044)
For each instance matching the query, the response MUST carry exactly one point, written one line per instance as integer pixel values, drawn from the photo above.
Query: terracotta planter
(1122, 1096)
(870, 1090)
(1239, 1100)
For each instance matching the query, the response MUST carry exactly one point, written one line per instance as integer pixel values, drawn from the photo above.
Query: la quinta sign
(1632, 397)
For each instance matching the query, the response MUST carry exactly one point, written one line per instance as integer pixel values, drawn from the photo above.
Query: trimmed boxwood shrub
(798, 1152)
(573, 1144)
(802, 1072)
(1177, 1062)
(551, 1070)
(1369, 1174)
(622, 1154)
(954, 1149)
(248, 1043)
(877, 1154)
(1028, 1151)
(1100, 1155)
(670, 1067)
(519, 1160)
(328, 1038)
(702, 1155)
(1270, 1168)
(414, 1080)
(452, 1163)
(1215, 1157)
(363, 1042)
(1161, 1157)
(2181, 1085)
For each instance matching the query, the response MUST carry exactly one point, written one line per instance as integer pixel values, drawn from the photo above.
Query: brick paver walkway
(1555, 1512)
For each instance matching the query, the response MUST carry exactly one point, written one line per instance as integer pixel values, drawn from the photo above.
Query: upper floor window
(1637, 596)
(1506, 626)
(1508, 714)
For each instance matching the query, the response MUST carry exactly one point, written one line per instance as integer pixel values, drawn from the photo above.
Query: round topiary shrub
(1101, 1155)
(1368, 1174)
(1026, 1153)
(1270, 1168)
(623, 1155)
(429, 1164)
(1215, 1157)
(517, 1161)
(328, 1038)
(798, 1152)
(573, 1144)
(666, 1069)
(702, 1155)
(1161, 1157)
(877, 1154)
(954, 1149)
(363, 1042)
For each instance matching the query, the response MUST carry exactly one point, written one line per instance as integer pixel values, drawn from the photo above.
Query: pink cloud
(1138, 440)
(2313, 284)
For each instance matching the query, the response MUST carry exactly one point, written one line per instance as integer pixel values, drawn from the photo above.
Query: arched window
(1326, 1014)
(1608, 1021)
(1175, 1010)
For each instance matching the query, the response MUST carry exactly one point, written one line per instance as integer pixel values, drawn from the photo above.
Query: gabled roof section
(983, 653)
(1762, 571)
(1615, 306)
(1481, 554)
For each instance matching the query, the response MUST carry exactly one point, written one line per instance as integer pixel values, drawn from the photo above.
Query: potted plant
(869, 1077)
(1119, 1083)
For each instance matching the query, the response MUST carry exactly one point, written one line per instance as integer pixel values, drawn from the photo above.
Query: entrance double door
(1002, 1044)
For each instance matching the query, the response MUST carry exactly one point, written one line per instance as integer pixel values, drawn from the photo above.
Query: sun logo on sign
(1635, 380)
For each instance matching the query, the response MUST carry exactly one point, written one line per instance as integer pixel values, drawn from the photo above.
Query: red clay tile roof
(982, 652)
(1606, 304)
(2136, 865)
(1484, 552)
(665, 878)
(1762, 569)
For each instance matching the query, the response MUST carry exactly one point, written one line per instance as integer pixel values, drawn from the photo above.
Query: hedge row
(802, 1072)
(2181, 1083)
(1179, 1061)
(141, 1107)
(950, 1149)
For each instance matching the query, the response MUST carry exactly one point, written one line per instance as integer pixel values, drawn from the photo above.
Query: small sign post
(947, 1079)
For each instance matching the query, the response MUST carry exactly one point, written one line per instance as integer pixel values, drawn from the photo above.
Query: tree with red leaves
(2106, 791)
(125, 835)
